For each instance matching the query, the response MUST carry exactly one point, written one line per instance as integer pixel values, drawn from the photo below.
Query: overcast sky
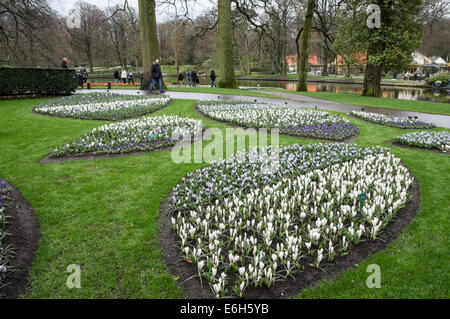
(64, 6)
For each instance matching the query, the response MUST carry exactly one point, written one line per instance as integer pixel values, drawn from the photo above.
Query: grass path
(103, 214)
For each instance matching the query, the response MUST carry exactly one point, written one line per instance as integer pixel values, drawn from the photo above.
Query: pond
(395, 92)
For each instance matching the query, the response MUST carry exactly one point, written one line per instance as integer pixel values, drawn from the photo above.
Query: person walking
(64, 63)
(124, 76)
(116, 77)
(80, 78)
(189, 77)
(85, 76)
(156, 76)
(180, 79)
(130, 77)
(213, 78)
(194, 78)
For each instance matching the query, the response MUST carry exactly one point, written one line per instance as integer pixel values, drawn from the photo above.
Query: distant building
(313, 61)
(438, 60)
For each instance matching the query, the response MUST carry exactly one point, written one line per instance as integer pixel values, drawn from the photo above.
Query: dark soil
(24, 228)
(348, 140)
(435, 150)
(191, 287)
(393, 126)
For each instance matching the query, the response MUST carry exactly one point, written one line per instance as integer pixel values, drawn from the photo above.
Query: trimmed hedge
(46, 81)
(444, 78)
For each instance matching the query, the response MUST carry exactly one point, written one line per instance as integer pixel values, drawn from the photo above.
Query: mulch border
(25, 234)
(191, 287)
(400, 128)
(103, 120)
(348, 140)
(434, 150)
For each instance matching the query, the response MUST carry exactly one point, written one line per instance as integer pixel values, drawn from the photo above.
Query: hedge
(46, 81)
(444, 78)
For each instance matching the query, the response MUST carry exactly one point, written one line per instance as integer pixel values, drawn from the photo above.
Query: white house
(438, 60)
(420, 58)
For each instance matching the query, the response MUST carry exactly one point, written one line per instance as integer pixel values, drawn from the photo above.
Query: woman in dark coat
(213, 78)
(180, 79)
(194, 77)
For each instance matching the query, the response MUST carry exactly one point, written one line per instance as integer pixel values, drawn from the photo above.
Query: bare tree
(88, 35)
(123, 33)
(25, 29)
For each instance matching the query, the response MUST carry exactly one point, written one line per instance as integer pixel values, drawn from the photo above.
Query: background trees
(243, 35)
(388, 47)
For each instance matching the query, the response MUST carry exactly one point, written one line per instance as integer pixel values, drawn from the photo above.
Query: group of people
(83, 76)
(193, 79)
(415, 76)
(124, 75)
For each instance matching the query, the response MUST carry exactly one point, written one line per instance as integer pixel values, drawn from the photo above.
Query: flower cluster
(101, 106)
(400, 122)
(5, 252)
(289, 119)
(143, 134)
(438, 140)
(262, 229)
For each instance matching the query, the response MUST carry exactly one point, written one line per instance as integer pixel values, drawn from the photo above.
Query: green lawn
(103, 214)
(357, 99)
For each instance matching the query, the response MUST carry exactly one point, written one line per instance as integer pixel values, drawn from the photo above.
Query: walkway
(294, 99)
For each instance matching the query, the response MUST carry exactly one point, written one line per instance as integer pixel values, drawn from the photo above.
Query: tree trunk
(325, 63)
(226, 65)
(372, 80)
(149, 39)
(304, 50)
(175, 47)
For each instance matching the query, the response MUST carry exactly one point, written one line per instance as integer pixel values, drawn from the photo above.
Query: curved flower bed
(243, 228)
(144, 134)
(5, 252)
(399, 122)
(429, 140)
(289, 119)
(102, 106)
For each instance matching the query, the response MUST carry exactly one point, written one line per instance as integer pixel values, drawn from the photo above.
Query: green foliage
(19, 81)
(391, 45)
(444, 78)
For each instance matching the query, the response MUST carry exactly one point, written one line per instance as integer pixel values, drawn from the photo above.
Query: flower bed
(244, 228)
(5, 252)
(102, 106)
(289, 119)
(429, 140)
(399, 122)
(144, 134)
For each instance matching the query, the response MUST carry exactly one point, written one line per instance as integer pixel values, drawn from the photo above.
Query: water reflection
(403, 93)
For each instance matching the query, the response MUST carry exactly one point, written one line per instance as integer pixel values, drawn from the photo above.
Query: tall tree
(149, 38)
(88, 36)
(390, 46)
(227, 78)
(304, 48)
(123, 33)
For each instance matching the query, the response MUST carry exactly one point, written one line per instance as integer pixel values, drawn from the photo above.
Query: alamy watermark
(374, 280)
(374, 19)
(213, 146)
(74, 279)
